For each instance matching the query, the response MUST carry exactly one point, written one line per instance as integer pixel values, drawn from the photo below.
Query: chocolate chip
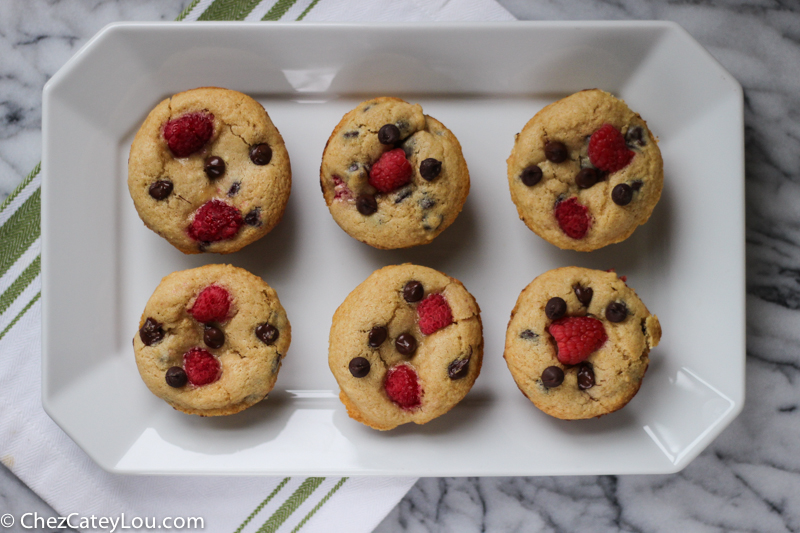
(151, 332)
(586, 178)
(585, 376)
(176, 377)
(350, 134)
(531, 175)
(213, 337)
(402, 195)
(214, 167)
(406, 344)
(366, 204)
(555, 152)
(635, 135)
(359, 367)
(458, 369)
(584, 294)
(261, 154)
(552, 376)
(555, 308)
(267, 334)
(253, 218)
(636, 185)
(160, 189)
(376, 336)
(430, 168)
(234, 188)
(616, 312)
(353, 167)
(528, 335)
(427, 203)
(413, 291)
(389, 134)
(622, 194)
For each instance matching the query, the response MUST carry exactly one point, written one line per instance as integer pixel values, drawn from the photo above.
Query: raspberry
(215, 221)
(391, 171)
(577, 337)
(340, 189)
(434, 314)
(201, 367)
(573, 218)
(211, 305)
(607, 149)
(402, 387)
(189, 133)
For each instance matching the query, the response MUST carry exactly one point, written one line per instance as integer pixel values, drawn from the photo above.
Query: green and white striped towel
(45, 458)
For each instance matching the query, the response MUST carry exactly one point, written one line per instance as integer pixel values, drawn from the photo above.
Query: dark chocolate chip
(160, 189)
(402, 195)
(351, 134)
(359, 367)
(458, 369)
(214, 167)
(427, 203)
(584, 294)
(430, 168)
(253, 218)
(353, 167)
(267, 334)
(635, 135)
(556, 308)
(585, 376)
(552, 376)
(586, 178)
(261, 154)
(366, 204)
(151, 332)
(406, 344)
(528, 335)
(389, 134)
(555, 152)
(622, 194)
(413, 291)
(636, 185)
(377, 335)
(234, 188)
(213, 337)
(531, 175)
(616, 312)
(176, 377)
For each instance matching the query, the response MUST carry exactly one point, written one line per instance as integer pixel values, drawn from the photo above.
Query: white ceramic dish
(484, 81)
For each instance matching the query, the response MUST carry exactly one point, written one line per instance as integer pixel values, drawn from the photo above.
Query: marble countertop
(749, 478)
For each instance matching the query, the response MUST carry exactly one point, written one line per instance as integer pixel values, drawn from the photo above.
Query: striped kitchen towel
(45, 458)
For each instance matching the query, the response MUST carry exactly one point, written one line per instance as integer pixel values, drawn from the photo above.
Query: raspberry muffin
(405, 346)
(211, 340)
(208, 171)
(391, 176)
(585, 171)
(578, 342)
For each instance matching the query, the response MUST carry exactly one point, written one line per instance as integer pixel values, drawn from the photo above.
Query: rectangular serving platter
(484, 82)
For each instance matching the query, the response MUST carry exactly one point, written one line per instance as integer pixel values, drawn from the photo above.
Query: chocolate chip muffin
(211, 340)
(405, 346)
(391, 176)
(208, 171)
(585, 171)
(578, 342)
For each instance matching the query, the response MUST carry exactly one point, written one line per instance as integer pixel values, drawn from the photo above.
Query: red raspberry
(434, 314)
(391, 171)
(211, 305)
(577, 337)
(573, 218)
(340, 189)
(607, 149)
(189, 133)
(215, 221)
(402, 387)
(201, 367)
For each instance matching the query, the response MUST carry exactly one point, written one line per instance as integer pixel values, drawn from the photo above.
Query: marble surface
(749, 478)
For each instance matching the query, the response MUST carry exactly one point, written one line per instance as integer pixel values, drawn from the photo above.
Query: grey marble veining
(749, 478)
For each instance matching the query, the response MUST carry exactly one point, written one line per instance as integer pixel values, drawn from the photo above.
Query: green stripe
(279, 9)
(19, 285)
(262, 504)
(290, 505)
(304, 13)
(19, 231)
(16, 318)
(320, 504)
(187, 10)
(25, 183)
(229, 9)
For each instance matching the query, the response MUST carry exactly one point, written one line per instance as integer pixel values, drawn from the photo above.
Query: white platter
(484, 81)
